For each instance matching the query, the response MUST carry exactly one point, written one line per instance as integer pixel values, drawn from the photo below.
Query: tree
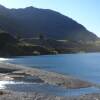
(6, 38)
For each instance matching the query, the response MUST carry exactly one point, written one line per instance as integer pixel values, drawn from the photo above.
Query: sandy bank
(20, 72)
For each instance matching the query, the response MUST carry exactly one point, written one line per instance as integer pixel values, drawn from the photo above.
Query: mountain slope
(30, 22)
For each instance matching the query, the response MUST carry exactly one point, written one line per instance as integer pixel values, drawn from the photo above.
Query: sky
(86, 12)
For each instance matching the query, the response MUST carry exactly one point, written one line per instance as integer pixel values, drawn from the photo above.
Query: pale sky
(86, 12)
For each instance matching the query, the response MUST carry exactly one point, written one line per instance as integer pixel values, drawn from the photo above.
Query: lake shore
(20, 73)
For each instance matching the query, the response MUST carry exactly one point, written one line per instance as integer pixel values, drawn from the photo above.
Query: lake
(83, 65)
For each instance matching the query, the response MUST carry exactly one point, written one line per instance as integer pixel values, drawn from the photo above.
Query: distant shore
(18, 72)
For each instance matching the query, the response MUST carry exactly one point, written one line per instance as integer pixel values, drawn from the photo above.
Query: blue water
(85, 66)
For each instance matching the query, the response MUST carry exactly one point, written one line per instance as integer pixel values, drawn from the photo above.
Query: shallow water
(45, 88)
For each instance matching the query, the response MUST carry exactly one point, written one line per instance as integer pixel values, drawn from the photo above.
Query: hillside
(30, 22)
(34, 31)
(11, 46)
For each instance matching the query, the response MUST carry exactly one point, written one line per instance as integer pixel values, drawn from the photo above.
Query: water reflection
(3, 83)
(3, 59)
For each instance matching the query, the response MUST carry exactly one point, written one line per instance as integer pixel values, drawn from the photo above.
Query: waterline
(45, 88)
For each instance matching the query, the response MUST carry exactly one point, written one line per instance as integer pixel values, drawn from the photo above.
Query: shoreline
(52, 78)
(19, 72)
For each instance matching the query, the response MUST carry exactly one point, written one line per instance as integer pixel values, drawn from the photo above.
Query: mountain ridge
(31, 21)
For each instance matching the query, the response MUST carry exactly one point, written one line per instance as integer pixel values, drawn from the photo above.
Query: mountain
(31, 22)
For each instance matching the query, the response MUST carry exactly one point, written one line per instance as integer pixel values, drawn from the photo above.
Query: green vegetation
(13, 46)
(10, 46)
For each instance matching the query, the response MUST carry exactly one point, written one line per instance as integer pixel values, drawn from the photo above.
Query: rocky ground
(5, 95)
